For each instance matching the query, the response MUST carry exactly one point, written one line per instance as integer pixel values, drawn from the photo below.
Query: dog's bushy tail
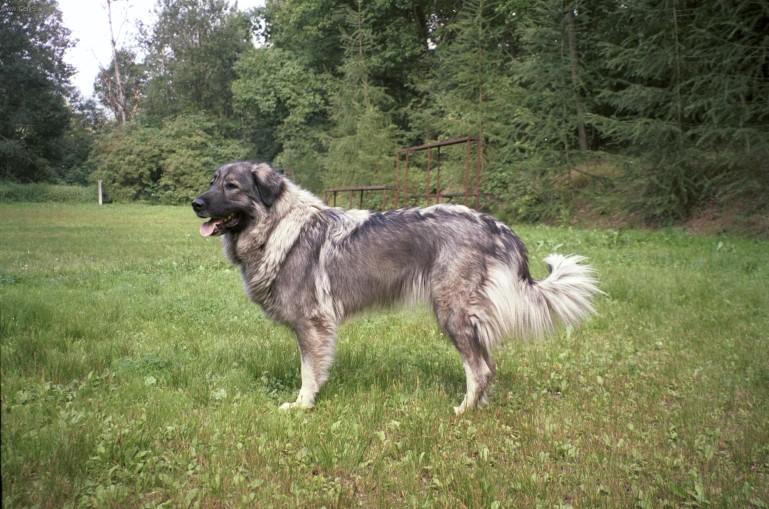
(569, 288)
(532, 309)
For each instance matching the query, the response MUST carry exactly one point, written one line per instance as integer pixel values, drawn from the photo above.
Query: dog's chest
(261, 252)
(260, 258)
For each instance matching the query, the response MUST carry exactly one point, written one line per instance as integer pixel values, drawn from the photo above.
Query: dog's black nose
(198, 204)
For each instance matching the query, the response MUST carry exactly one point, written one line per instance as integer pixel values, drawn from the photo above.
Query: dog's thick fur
(311, 266)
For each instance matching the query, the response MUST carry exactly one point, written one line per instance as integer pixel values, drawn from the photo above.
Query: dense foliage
(192, 49)
(34, 84)
(167, 164)
(656, 107)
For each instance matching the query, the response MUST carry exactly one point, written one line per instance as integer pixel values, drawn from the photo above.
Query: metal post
(406, 180)
(438, 178)
(428, 174)
(466, 174)
(101, 201)
(478, 169)
(397, 193)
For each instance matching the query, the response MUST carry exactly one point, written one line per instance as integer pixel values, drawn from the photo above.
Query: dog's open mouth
(219, 225)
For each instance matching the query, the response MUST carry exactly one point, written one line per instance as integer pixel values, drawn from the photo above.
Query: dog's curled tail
(567, 291)
(523, 308)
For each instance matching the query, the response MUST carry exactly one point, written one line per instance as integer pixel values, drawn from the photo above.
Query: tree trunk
(571, 33)
(119, 83)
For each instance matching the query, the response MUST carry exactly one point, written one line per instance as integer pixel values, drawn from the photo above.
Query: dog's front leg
(317, 344)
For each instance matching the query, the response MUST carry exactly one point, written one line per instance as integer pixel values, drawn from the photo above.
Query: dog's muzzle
(199, 206)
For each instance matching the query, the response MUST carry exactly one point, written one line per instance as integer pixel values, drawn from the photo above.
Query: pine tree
(471, 83)
(554, 69)
(472, 94)
(363, 140)
(688, 94)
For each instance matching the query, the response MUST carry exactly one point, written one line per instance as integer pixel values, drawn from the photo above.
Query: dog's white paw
(462, 408)
(291, 405)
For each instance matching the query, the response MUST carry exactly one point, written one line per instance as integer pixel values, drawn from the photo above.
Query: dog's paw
(465, 406)
(291, 405)
(459, 410)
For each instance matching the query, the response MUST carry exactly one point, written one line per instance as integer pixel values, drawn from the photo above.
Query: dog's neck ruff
(261, 249)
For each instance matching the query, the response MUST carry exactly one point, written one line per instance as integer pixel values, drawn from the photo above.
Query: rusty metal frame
(329, 195)
(399, 193)
(403, 155)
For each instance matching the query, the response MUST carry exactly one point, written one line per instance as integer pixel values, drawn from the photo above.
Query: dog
(310, 266)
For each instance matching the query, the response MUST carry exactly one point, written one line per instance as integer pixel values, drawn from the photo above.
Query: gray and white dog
(310, 266)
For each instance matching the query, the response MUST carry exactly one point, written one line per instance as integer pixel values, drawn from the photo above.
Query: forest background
(605, 112)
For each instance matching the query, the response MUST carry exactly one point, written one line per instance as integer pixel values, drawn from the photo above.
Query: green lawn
(136, 373)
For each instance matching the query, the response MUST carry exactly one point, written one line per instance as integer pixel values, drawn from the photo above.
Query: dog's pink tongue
(207, 229)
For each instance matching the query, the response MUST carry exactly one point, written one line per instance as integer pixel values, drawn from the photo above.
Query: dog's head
(239, 194)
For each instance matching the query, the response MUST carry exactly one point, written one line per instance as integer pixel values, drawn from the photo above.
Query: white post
(100, 194)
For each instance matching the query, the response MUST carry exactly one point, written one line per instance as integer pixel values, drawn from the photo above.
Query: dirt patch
(710, 220)
(714, 219)
(734, 218)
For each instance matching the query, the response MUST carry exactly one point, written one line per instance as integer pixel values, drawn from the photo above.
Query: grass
(136, 374)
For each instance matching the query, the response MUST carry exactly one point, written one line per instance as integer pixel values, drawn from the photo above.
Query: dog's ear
(268, 183)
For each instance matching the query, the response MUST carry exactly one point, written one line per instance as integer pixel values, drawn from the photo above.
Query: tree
(554, 69)
(191, 54)
(281, 106)
(571, 37)
(86, 119)
(119, 96)
(34, 86)
(471, 92)
(124, 101)
(687, 92)
(308, 29)
(401, 32)
(363, 138)
(470, 79)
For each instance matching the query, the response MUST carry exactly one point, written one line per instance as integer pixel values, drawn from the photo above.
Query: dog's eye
(231, 185)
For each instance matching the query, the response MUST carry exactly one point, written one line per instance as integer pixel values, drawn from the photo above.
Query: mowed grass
(135, 373)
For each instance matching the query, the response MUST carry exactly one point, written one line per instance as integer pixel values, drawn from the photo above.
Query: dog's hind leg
(317, 345)
(483, 401)
(463, 330)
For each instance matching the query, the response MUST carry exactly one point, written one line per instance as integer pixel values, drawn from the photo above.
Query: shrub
(167, 164)
(15, 192)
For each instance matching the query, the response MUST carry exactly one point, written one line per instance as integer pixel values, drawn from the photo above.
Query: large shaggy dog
(311, 266)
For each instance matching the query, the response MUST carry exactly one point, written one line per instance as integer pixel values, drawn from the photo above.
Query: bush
(14, 192)
(527, 190)
(169, 164)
